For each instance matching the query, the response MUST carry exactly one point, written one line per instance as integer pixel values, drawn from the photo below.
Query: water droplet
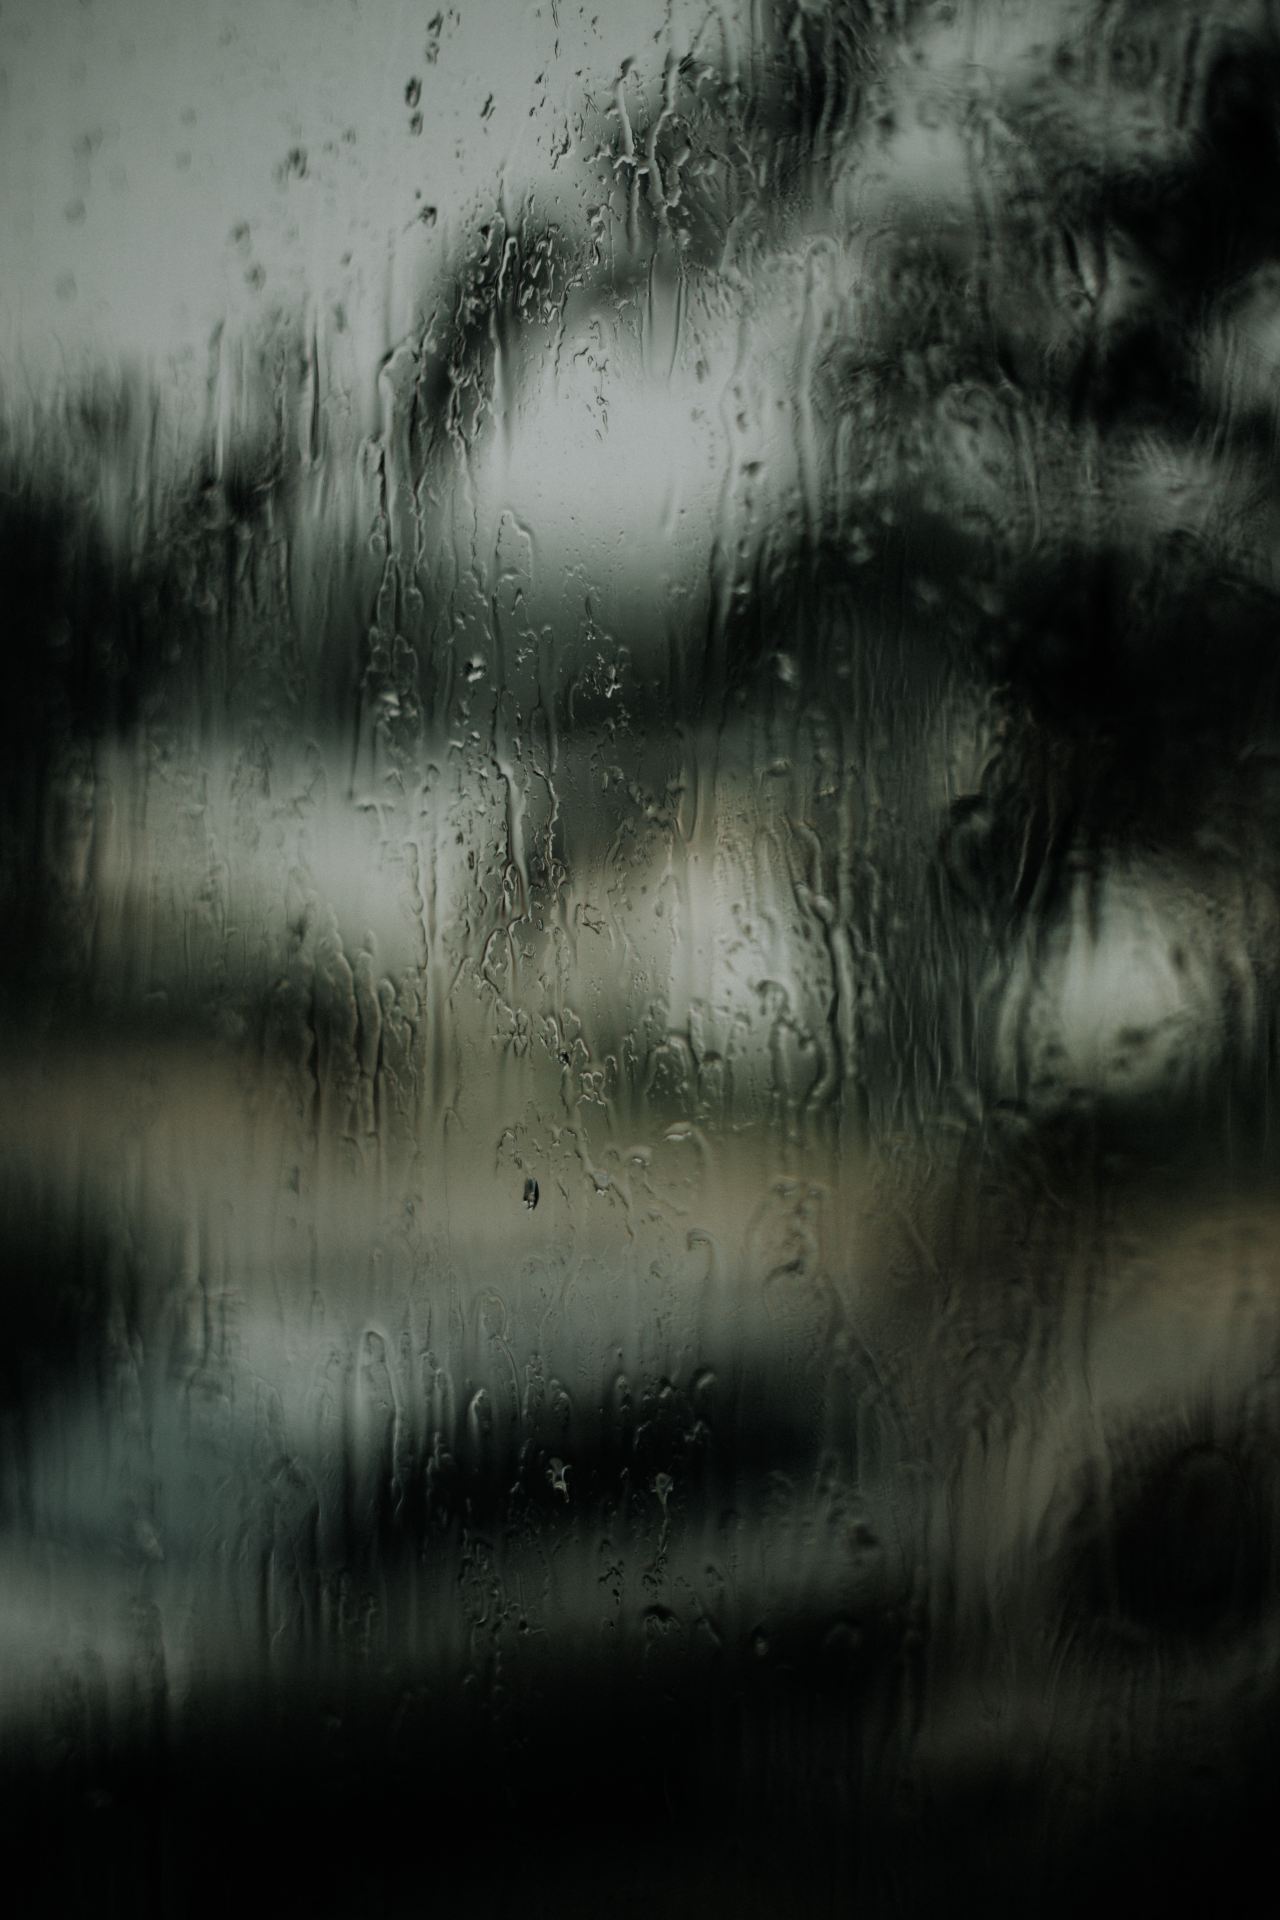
(557, 1476)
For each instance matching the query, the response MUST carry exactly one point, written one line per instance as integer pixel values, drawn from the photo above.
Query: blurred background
(638, 848)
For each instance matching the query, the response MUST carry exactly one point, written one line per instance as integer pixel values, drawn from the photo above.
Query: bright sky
(148, 189)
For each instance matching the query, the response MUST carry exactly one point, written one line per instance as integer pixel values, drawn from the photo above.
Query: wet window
(638, 823)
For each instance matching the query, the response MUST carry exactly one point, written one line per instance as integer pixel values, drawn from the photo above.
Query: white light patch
(1122, 1000)
(627, 445)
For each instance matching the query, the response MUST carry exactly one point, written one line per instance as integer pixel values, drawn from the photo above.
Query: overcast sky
(169, 164)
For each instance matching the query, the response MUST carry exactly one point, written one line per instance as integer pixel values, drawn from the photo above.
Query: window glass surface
(638, 819)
